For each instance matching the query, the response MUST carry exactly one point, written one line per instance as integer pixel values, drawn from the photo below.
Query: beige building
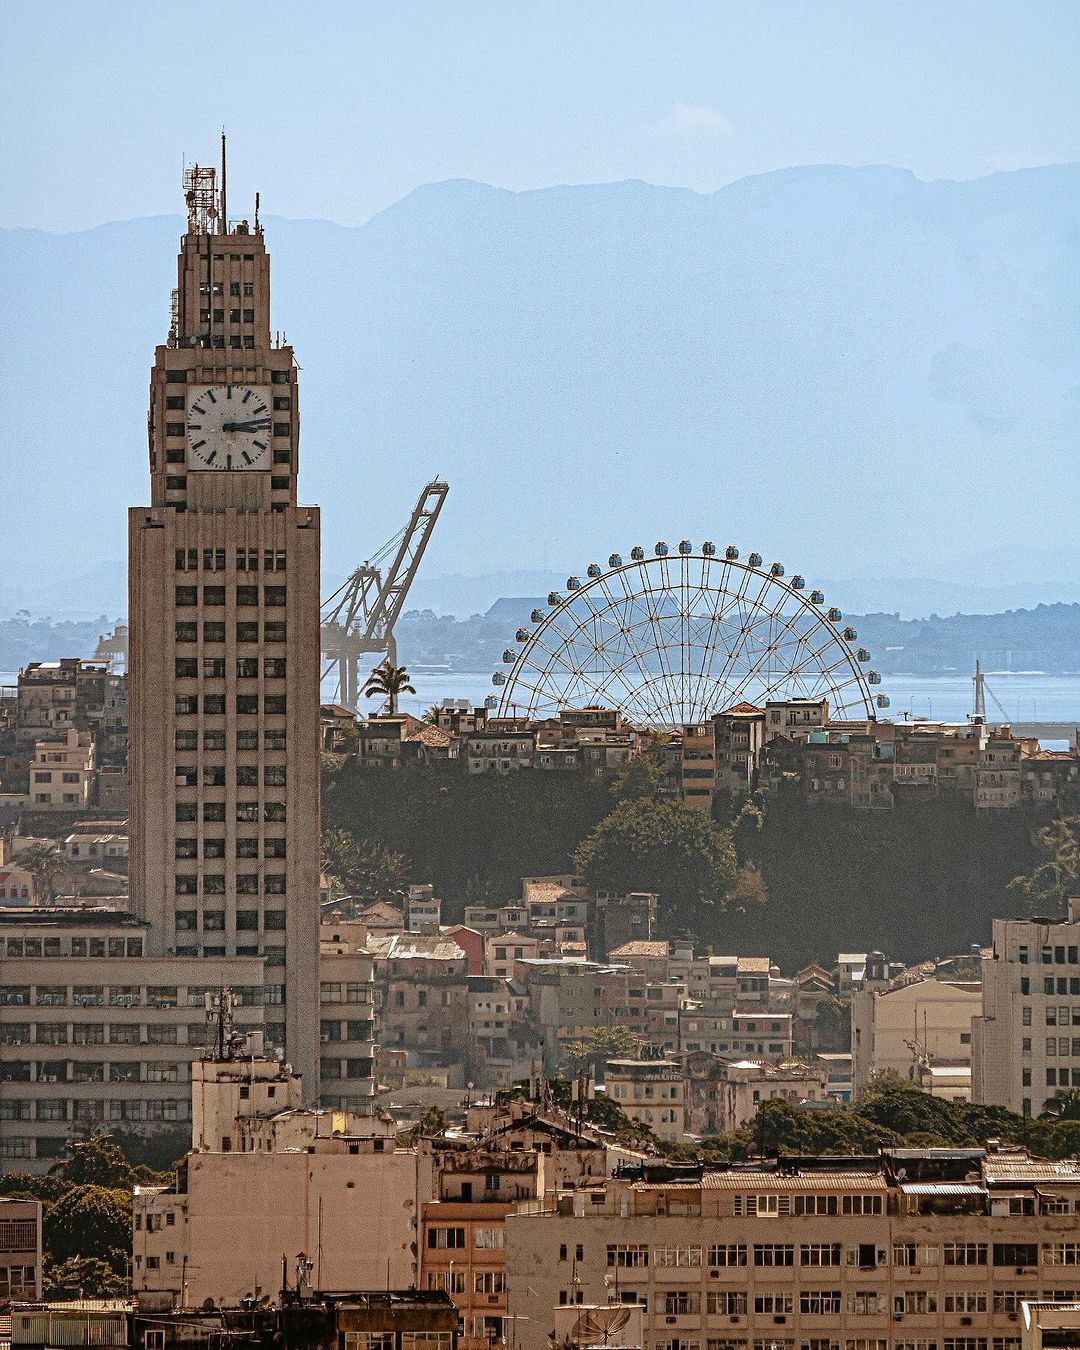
(223, 678)
(651, 1092)
(722, 1097)
(267, 1176)
(20, 1249)
(62, 772)
(928, 1248)
(97, 1034)
(346, 1018)
(1026, 1044)
(914, 1024)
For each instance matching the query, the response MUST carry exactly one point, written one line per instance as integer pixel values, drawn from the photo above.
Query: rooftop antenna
(979, 717)
(256, 213)
(223, 223)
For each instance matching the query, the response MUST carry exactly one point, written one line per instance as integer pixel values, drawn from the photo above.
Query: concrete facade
(224, 643)
(1026, 1044)
(911, 1024)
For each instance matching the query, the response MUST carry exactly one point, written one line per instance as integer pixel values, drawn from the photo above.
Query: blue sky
(336, 109)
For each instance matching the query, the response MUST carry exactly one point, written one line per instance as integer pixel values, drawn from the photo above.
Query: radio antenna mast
(223, 223)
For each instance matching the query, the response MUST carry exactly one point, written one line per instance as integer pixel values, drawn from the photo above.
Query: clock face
(228, 427)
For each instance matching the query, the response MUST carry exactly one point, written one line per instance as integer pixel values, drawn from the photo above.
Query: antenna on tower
(256, 213)
(223, 223)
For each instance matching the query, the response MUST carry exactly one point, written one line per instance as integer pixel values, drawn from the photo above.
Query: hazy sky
(337, 108)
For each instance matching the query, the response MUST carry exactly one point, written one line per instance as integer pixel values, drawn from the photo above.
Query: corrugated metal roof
(771, 1181)
(942, 1188)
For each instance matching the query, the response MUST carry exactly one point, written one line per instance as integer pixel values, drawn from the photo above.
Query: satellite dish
(598, 1324)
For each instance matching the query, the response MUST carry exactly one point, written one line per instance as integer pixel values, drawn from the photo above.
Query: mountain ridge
(863, 371)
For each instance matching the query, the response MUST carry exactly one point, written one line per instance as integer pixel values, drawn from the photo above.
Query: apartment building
(724, 1095)
(462, 1233)
(277, 1178)
(754, 1035)
(20, 1249)
(346, 1018)
(914, 1023)
(917, 1248)
(1026, 1043)
(95, 1032)
(62, 772)
(652, 1092)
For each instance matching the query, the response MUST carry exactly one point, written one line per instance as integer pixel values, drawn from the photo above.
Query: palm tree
(388, 681)
(45, 863)
(1063, 1105)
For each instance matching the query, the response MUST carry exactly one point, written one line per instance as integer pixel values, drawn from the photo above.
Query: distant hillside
(850, 369)
(1046, 639)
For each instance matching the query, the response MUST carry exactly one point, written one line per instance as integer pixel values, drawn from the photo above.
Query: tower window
(174, 402)
(247, 704)
(247, 668)
(213, 595)
(274, 667)
(213, 812)
(213, 848)
(282, 402)
(247, 632)
(274, 632)
(175, 482)
(213, 631)
(274, 704)
(186, 595)
(187, 667)
(282, 454)
(174, 456)
(176, 377)
(174, 428)
(279, 377)
(280, 428)
(213, 740)
(279, 484)
(273, 596)
(249, 288)
(214, 704)
(187, 632)
(247, 848)
(247, 595)
(247, 740)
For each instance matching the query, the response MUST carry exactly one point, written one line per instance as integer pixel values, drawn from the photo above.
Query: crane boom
(359, 617)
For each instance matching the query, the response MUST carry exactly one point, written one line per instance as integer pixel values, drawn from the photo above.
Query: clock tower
(224, 640)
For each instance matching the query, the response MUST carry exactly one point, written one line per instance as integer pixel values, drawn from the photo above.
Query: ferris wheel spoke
(668, 644)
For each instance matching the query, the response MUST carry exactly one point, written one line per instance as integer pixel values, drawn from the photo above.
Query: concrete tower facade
(224, 643)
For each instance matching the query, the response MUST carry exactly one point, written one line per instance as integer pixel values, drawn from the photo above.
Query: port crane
(359, 617)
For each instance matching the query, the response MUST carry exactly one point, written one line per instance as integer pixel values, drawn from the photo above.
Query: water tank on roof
(685, 546)
(708, 548)
(522, 635)
(637, 553)
(798, 583)
(817, 597)
(615, 560)
(499, 677)
(593, 570)
(874, 677)
(661, 549)
(754, 560)
(537, 616)
(731, 553)
(777, 569)
(836, 614)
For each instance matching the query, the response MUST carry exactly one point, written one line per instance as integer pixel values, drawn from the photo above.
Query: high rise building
(224, 645)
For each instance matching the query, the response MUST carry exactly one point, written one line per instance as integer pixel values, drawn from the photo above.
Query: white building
(911, 1025)
(1026, 1044)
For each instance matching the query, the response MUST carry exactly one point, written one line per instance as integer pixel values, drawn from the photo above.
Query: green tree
(1063, 1105)
(389, 682)
(364, 868)
(82, 1277)
(46, 864)
(89, 1221)
(98, 1162)
(597, 1046)
(644, 776)
(1056, 876)
(666, 847)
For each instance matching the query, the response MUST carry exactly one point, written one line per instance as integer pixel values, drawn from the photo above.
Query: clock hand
(245, 426)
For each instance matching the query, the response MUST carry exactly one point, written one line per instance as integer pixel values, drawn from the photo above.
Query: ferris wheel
(673, 637)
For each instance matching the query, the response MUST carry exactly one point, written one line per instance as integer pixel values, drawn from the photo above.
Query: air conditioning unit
(714, 1274)
(780, 1321)
(671, 1320)
(965, 1321)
